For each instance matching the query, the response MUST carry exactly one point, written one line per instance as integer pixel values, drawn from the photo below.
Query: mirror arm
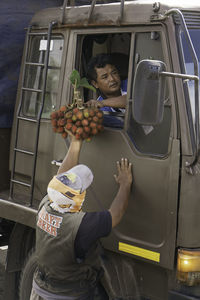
(178, 75)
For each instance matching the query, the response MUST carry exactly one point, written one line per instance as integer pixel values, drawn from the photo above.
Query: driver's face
(108, 81)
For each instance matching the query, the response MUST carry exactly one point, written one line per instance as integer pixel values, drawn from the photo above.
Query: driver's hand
(94, 103)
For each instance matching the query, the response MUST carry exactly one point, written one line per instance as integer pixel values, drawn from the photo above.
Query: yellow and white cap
(66, 191)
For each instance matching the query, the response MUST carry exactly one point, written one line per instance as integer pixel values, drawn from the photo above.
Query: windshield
(189, 65)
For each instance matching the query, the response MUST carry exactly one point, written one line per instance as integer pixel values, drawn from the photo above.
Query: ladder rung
(38, 33)
(31, 90)
(34, 64)
(41, 65)
(27, 119)
(21, 182)
(23, 151)
(53, 68)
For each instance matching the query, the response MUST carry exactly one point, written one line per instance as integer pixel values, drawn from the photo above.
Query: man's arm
(120, 203)
(72, 157)
(115, 102)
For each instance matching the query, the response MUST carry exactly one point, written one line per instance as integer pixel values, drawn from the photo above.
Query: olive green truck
(154, 253)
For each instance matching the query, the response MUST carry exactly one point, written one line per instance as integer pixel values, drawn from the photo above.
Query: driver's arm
(115, 102)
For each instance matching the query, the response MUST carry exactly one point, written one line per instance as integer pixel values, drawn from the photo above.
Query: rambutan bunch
(83, 123)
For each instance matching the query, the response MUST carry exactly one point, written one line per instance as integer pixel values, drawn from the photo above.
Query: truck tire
(26, 278)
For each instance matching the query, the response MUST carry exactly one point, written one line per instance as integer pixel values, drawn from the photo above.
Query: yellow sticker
(155, 256)
(71, 176)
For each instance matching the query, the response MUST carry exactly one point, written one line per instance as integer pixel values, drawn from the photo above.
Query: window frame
(55, 35)
(70, 64)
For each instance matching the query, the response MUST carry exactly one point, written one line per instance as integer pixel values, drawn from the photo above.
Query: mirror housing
(148, 92)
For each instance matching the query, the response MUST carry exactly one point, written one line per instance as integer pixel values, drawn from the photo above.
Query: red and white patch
(48, 222)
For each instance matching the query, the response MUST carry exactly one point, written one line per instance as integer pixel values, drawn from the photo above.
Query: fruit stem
(77, 100)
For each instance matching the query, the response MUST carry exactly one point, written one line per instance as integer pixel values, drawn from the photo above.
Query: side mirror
(148, 92)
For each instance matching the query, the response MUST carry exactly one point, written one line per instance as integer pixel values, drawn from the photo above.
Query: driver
(104, 76)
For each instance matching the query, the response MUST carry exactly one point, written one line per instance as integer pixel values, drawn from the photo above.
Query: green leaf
(75, 78)
(84, 83)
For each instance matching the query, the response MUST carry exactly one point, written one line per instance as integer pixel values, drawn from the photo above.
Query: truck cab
(154, 252)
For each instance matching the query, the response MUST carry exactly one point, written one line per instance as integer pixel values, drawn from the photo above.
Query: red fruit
(91, 112)
(100, 121)
(54, 115)
(75, 110)
(85, 122)
(68, 115)
(79, 130)
(62, 122)
(95, 119)
(94, 131)
(100, 127)
(64, 135)
(79, 115)
(99, 114)
(54, 122)
(78, 123)
(60, 129)
(74, 128)
(90, 119)
(63, 108)
(86, 113)
(60, 114)
(77, 136)
(68, 126)
(69, 120)
(55, 129)
(86, 129)
(93, 125)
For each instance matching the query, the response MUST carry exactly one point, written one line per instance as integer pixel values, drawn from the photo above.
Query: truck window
(116, 44)
(34, 76)
(151, 140)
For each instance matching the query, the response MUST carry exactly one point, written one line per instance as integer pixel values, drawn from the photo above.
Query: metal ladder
(19, 116)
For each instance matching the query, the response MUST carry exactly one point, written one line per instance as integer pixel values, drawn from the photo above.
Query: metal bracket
(156, 6)
(93, 6)
(65, 3)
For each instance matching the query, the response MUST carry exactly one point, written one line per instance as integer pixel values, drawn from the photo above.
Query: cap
(79, 177)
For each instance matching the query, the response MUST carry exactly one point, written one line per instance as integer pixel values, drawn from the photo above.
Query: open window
(116, 44)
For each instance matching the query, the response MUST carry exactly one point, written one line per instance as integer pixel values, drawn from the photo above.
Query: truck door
(147, 231)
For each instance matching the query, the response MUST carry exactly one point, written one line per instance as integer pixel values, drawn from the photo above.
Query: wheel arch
(22, 240)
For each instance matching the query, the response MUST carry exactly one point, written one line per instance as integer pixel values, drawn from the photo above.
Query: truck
(154, 253)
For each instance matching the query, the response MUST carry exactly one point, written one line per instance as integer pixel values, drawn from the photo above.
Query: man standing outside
(104, 76)
(67, 238)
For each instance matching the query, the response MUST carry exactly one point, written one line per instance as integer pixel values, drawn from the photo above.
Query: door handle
(56, 162)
